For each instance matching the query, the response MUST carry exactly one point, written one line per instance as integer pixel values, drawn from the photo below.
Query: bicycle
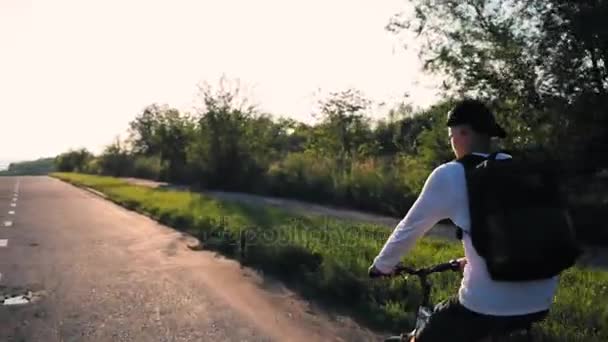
(425, 309)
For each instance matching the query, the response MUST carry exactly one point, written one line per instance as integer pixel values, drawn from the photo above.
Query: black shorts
(453, 322)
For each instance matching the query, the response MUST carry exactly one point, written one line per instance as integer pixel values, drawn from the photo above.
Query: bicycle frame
(425, 309)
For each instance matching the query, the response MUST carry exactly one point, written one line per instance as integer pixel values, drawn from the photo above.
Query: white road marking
(19, 300)
(3, 242)
(8, 223)
(13, 205)
(12, 212)
(0, 277)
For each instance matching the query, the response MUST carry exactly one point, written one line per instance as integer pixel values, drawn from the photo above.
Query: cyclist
(482, 307)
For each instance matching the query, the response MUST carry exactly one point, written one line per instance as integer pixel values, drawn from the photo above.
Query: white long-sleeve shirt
(445, 195)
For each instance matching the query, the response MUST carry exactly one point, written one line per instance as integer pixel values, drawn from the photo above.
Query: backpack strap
(469, 162)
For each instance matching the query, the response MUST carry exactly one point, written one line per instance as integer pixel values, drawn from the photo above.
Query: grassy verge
(326, 260)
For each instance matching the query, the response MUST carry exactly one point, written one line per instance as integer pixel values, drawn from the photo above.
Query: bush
(115, 160)
(93, 167)
(73, 160)
(147, 167)
(372, 184)
(305, 176)
(378, 186)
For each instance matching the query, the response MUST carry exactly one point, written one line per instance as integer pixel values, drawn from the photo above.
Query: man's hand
(373, 272)
(462, 262)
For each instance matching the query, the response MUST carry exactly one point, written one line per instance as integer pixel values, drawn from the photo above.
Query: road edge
(95, 192)
(103, 196)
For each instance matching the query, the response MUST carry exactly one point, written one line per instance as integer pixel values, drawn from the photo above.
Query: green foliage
(115, 160)
(165, 133)
(344, 131)
(327, 259)
(399, 134)
(93, 167)
(36, 167)
(222, 153)
(303, 173)
(343, 160)
(371, 184)
(543, 65)
(144, 130)
(147, 167)
(73, 160)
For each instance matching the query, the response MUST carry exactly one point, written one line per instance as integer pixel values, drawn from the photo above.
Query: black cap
(476, 114)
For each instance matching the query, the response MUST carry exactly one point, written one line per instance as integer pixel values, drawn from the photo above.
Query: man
(483, 306)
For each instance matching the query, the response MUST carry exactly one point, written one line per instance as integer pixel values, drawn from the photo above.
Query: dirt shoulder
(303, 208)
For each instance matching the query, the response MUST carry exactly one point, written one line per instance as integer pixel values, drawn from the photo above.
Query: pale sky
(73, 73)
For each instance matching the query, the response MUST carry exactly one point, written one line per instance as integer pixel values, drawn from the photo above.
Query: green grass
(326, 259)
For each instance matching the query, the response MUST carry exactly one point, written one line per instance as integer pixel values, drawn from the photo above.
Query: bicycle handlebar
(452, 265)
(422, 273)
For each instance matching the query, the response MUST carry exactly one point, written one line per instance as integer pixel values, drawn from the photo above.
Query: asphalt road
(93, 271)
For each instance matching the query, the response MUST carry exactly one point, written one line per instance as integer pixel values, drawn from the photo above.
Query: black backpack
(520, 222)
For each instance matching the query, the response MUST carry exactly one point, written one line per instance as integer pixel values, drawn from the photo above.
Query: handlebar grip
(453, 265)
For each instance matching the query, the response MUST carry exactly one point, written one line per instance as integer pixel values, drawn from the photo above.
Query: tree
(73, 160)
(164, 132)
(144, 130)
(483, 51)
(344, 131)
(41, 166)
(176, 132)
(400, 134)
(541, 64)
(115, 160)
(221, 154)
(576, 54)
